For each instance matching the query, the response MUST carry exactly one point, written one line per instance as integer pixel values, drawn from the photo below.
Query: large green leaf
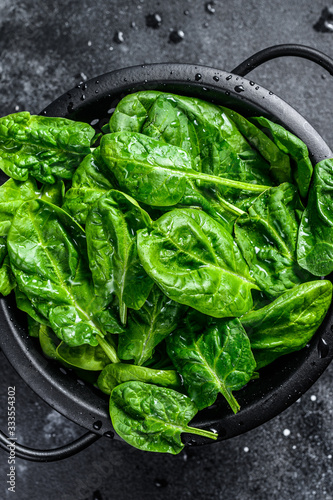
(111, 229)
(45, 148)
(315, 239)
(152, 418)
(86, 357)
(196, 262)
(88, 184)
(267, 237)
(289, 322)
(117, 373)
(148, 326)
(47, 250)
(293, 146)
(216, 359)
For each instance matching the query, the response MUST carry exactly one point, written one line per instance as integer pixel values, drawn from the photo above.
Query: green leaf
(196, 262)
(148, 326)
(289, 322)
(111, 229)
(267, 237)
(292, 145)
(88, 184)
(47, 250)
(152, 418)
(86, 357)
(48, 342)
(315, 238)
(45, 148)
(117, 373)
(7, 279)
(279, 163)
(216, 359)
(157, 173)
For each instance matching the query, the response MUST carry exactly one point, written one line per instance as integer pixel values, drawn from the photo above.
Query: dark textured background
(48, 47)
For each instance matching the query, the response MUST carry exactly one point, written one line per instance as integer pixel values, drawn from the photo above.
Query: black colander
(281, 383)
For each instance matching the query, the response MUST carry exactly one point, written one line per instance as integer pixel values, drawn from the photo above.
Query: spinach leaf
(289, 322)
(292, 145)
(48, 257)
(267, 237)
(217, 359)
(152, 418)
(86, 357)
(111, 229)
(196, 262)
(132, 111)
(43, 147)
(88, 184)
(48, 342)
(7, 279)
(279, 163)
(315, 238)
(33, 327)
(117, 373)
(157, 173)
(148, 326)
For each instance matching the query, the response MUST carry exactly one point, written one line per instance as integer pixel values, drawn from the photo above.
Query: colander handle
(35, 455)
(282, 50)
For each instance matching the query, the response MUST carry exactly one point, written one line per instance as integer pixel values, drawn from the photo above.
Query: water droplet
(323, 348)
(313, 397)
(84, 86)
(325, 21)
(229, 77)
(96, 91)
(79, 381)
(270, 92)
(246, 449)
(63, 370)
(186, 12)
(198, 77)
(176, 36)
(82, 97)
(252, 83)
(257, 87)
(286, 432)
(118, 37)
(239, 88)
(97, 82)
(97, 495)
(94, 122)
(153, 20)
(89, 43)
(133, 25)
(205, 25)
(109, 434)
(210, 7)
(161, 483)
(227, 92)
(213, 430)
(216, 78)
(97, 425)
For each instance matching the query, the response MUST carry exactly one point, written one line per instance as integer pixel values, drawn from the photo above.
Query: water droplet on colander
(82, 97)
(84, 86)
(176, 36)
(198, 77)
(70, 106)
(186, 12)
(257, 87)
(252, 83)
(118, 37)
(97, 425)
(323, 348)
(210, 7)
(229, 77)
(213, 430)
(153, 20)
(109, 434)
(216, 78)
(239, 88)
(227, 92)
(94, 122)
(270, 92)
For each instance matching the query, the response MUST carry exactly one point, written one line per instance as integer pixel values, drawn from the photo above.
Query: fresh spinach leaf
(289, 322)
(315, 237)
(86, 357)
(111, 229)
(45, 148)
(292, 145)
(148, 326)
(217, 359)
(267, 237)
(117, 373)
(152, 418)
(48, 257)
(88, 184)
(196, 262)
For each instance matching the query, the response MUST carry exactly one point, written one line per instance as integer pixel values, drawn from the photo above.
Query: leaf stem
(214, 179)
(201, 432)
(108, 348)
(233, 403)
(123, 312)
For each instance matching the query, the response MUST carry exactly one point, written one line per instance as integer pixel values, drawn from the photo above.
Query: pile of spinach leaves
(169, 260)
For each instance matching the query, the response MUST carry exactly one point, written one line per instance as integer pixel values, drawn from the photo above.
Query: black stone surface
(46, 48)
